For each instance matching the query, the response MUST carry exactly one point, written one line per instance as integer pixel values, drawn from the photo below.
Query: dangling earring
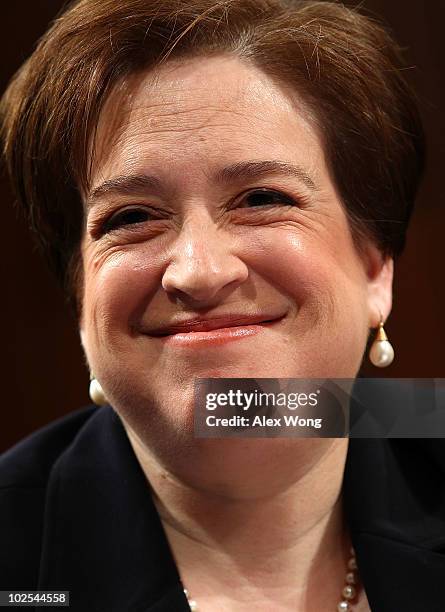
(97, 394)
(381, 353)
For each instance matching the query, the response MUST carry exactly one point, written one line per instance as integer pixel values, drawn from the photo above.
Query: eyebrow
(133, 184)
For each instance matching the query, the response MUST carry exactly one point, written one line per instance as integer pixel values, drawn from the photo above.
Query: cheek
(317, 272)
(117, 291)
(326, 281)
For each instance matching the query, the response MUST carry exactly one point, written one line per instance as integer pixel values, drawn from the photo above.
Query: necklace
(349, 592)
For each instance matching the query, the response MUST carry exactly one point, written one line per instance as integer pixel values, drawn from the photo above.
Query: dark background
(44, 372)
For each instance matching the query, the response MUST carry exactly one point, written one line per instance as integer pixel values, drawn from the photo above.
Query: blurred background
(44, 372)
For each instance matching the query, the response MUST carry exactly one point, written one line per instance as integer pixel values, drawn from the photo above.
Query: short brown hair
(342, 63)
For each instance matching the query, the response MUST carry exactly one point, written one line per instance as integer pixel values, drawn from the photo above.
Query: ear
(84, 346)
(379, 272)
(82, 338)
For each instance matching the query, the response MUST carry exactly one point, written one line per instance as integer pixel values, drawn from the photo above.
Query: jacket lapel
(103, 539)
(395, 508)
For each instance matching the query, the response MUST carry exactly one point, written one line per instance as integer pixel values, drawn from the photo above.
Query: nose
(203, 267)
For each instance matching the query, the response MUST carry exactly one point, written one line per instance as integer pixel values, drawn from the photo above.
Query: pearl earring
(381, 353)
(97, 394)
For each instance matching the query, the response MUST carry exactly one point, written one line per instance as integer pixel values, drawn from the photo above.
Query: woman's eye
(265, 197)
(129, 216)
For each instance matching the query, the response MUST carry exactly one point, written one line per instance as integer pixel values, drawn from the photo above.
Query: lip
(202, 324)
(214, 331)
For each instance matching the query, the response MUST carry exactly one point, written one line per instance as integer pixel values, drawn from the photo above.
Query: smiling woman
(215, 206)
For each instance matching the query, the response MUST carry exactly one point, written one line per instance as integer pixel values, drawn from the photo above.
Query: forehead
(198, 110)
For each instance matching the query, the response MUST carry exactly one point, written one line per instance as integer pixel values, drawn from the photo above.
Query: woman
(222, 187)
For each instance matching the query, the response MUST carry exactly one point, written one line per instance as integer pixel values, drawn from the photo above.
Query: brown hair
(343, 64)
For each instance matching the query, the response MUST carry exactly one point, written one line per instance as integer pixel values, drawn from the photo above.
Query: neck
(286, 550)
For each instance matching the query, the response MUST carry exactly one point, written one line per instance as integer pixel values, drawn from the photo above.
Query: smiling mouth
(214, 332)
(212, 325)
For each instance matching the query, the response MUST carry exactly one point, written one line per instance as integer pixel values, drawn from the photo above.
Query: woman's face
(211, 198)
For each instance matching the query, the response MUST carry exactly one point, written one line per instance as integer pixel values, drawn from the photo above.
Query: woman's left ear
(380, 271)
(82, 340)
(84, 347)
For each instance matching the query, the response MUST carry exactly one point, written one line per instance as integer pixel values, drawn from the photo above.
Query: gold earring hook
(381, 334)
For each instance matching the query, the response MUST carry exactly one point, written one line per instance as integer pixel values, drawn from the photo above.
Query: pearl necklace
(349, 592)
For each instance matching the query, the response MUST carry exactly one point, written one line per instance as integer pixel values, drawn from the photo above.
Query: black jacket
(76, 514)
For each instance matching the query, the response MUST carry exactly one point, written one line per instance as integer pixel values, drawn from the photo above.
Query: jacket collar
(104, 542)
